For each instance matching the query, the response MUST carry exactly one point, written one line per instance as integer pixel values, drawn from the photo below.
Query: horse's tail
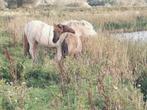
(26, 45)
(64, 47)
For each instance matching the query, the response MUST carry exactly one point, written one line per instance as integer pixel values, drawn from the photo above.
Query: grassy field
(110, 74)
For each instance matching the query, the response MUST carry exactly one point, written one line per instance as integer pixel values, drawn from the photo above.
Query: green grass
(140, 23)
(39, 98)
(102, 78)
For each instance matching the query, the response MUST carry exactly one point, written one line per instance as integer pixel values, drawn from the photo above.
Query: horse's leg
(64, 47)
(26, 45)
(32, 50)
(58, 56)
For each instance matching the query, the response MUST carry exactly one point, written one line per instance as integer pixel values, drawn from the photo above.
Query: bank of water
(134, 36)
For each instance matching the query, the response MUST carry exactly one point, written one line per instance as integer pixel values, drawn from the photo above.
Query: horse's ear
(68, 29)
(60, 26)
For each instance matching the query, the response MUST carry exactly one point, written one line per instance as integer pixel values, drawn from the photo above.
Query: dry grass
(15, 20)
(103, 77)
(103, 47)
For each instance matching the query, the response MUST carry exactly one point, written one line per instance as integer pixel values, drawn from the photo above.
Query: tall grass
(102, 78)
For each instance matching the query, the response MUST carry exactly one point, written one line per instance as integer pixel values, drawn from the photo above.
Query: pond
(134, 36)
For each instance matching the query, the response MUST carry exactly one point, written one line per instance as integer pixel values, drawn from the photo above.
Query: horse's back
(72, 42)
(35, 26)
(82, 27)
(71, 45)
(39, 31)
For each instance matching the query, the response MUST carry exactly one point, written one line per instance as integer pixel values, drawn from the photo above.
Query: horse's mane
(79, 23)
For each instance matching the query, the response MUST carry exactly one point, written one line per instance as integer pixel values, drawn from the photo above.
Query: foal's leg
(32, 50)
(58, 56)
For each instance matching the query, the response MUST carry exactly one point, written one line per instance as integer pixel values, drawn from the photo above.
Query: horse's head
(59, 29)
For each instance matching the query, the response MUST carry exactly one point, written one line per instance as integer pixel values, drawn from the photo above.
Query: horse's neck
(46, 35)
(51, 37)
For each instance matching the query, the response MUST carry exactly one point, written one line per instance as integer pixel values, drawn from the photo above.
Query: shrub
(40, 78)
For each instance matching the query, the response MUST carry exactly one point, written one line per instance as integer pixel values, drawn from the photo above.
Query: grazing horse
(71, 45)
(81, 27)
(38, 32)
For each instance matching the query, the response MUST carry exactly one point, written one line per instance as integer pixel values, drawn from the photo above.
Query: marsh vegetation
(110, 74)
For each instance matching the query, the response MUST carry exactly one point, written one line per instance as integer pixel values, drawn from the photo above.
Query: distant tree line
(18, 3)
(100, 2)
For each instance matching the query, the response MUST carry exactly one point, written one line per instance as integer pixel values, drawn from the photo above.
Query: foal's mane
(59, 29)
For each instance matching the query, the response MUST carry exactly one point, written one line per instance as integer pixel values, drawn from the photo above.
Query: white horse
(81, 27)
(39, 32)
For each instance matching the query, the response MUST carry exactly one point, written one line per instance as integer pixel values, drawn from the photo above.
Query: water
(134, 36)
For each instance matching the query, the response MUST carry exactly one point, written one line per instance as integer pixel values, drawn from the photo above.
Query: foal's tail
(64, 47)
(25, 45)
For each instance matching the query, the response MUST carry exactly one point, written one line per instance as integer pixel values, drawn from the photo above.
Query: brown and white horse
(71, 45)
(81, 27)
(38, 32)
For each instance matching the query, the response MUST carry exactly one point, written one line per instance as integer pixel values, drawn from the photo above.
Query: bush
(40, 78)
(13, 97)
(100, 2)
(140, 23)
(12, 72)
(7, 104)
(141, 83)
